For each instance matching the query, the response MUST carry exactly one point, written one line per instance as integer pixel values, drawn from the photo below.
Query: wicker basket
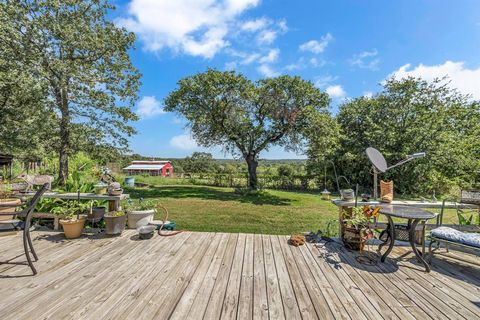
(402, 234)
(354, 239)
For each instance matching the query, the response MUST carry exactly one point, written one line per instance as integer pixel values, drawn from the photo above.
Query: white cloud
(303, 63)
(366, 60)
(184, 142)
(336, 91)
(272, 56)
(323, 81)
(250, 58)
(368, 94)
(267, 36)
(255, 25)
(267, 71)
(149, 107)
(464, 79)
(282, 25)
(231, 65)
(317, 46)
(193, 27)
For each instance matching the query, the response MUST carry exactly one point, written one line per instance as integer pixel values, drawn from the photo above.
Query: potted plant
(356, 230)
(96, 212)
(139, 210)
(101, 187)
(115, 222)
(73, 217)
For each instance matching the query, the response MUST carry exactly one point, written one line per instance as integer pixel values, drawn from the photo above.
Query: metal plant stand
(414, 217)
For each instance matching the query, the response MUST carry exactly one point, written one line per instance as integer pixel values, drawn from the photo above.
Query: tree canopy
(408, 116)
(80, 65)
(244, 117)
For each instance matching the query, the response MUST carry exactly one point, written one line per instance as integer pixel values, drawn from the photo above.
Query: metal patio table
(414, 217)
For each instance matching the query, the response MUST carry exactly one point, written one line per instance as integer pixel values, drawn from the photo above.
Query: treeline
(408, 116)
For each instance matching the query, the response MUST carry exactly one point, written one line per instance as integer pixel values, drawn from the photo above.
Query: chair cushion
(450, 234)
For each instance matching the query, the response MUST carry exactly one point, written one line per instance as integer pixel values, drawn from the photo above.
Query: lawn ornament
(37, 180)
(379, 165)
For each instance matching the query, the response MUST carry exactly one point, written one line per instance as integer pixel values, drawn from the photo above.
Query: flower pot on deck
(135, 216)
(114, 225)
(73, 228)
(96, 214)
(8, 201)
(354, 239)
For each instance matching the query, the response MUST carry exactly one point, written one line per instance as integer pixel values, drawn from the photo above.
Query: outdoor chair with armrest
(26, 213)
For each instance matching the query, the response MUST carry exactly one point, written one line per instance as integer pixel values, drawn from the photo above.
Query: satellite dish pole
(379, 165)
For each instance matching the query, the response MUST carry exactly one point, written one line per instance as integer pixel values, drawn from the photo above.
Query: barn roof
(144, 167)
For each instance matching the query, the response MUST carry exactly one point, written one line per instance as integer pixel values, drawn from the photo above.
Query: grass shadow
(207, 193)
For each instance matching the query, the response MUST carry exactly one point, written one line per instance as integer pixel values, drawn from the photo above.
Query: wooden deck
(217, 275)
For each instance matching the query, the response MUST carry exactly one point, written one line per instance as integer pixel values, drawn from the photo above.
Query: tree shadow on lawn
(206, 193)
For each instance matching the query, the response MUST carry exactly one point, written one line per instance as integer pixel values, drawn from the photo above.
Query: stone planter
(114, 225)
(8, 201)
(73, 228)
(135, 216)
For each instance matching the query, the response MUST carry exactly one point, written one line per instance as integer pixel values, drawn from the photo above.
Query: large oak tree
(81, 61)
(245, 118)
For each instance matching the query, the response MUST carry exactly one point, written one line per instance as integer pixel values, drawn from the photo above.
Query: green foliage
(79, 64)
(199, 162)
(227, 109)
(286, 171)
(139, 204)
(68, 209)
(409, 116)
(357, 219)
(115, 214)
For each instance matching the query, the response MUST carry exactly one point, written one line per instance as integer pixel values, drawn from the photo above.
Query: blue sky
(345, 47)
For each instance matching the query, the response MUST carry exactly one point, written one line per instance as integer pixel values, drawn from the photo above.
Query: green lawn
(205, 208)
(201, 208)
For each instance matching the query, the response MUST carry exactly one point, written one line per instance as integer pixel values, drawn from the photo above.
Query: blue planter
(130, 182)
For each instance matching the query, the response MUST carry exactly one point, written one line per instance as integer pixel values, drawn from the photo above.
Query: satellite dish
(377, 159)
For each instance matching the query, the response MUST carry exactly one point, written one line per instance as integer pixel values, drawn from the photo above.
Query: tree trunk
(252, 171)
(64, 149)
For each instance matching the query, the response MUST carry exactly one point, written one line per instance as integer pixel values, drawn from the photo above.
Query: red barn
(153, 168)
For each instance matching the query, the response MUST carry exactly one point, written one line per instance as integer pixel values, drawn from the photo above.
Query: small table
(414, 216)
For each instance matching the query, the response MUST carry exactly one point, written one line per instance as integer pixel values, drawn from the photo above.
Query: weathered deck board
(219, 276)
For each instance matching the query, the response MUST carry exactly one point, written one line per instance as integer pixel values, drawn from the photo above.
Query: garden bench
(453, 235)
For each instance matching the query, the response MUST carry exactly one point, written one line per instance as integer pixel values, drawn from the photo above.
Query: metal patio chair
(27, 214)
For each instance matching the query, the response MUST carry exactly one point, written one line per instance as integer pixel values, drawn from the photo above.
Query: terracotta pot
(114, 225)
(73, 228)
(11, 201)
(135, 216)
